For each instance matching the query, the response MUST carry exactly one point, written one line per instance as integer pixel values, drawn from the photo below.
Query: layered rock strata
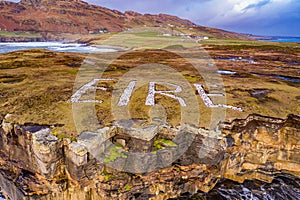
(34, 164)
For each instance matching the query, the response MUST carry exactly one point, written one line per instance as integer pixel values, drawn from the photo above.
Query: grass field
(35, 85)
(19, 34)
(152, 38)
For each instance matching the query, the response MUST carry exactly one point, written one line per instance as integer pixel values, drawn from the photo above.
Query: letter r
(150, 100)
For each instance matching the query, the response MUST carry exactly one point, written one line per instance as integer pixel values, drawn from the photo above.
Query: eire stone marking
(150, 100)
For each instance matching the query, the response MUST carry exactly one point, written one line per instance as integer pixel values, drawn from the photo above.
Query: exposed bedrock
(34, 164)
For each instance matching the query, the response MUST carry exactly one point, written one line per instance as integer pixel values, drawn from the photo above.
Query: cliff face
(263, 147)
(37, 165)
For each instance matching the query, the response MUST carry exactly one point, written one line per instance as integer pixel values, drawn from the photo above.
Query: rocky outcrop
(34, 164)
(21, 39)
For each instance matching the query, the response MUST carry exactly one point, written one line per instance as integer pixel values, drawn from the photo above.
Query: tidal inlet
(149, 100)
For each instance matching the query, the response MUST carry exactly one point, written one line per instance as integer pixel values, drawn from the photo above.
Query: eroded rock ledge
(34, 164)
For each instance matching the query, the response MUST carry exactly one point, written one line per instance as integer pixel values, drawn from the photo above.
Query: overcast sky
(263, 17)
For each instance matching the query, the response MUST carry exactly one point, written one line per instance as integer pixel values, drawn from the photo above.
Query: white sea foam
(54, 46)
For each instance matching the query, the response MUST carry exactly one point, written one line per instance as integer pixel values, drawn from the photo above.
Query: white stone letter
(90, 85)
(208, 102)
(150, 101)
(124, 99)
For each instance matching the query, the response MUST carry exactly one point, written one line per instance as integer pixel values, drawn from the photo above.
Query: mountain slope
(73, 17)
(79, 17)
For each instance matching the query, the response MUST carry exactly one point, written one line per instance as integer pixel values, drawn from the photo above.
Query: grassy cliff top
(36, 85)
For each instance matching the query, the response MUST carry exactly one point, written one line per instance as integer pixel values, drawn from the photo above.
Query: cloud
(257, 5)
(264, 17)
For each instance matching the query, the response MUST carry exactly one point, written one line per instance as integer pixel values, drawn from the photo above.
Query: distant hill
(79, 17)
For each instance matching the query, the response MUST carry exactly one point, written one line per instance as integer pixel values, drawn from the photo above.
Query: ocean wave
(53, 46)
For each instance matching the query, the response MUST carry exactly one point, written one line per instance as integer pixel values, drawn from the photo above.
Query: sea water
(53, 46)
(283, 39)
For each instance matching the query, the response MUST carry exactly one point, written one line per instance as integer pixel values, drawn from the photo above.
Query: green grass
(114, 153)
(248, 44)
(19, 34)
(127, 188)
(152, 38)
(145, 40)
(162, 143)
(147, 34)
(191, 79)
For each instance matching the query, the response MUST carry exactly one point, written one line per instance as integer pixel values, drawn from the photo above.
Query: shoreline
(7, 47)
